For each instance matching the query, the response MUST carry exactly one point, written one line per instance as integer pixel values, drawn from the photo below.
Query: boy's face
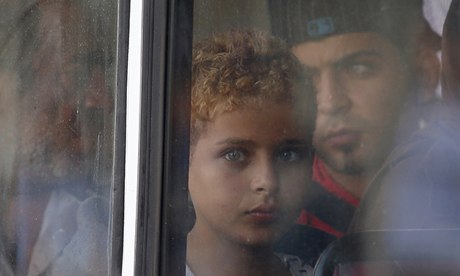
(362, 85)
(248, 174)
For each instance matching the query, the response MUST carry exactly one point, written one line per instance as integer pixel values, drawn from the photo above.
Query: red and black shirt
(329, 207)
(326, 215)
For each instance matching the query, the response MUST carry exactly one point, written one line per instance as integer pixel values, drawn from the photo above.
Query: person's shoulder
(416, 186)
(441, 131)
(295, 265)
(85, 253)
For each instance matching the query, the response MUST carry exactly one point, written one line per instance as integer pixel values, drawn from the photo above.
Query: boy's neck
(208, 254)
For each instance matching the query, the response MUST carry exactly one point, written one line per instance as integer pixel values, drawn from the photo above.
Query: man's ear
(427, 65)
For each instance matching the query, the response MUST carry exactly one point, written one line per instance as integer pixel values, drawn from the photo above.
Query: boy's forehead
(295, 109)
(266, 128)
(271, 118)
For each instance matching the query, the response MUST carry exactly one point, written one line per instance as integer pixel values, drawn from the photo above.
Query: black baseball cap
(298, 21)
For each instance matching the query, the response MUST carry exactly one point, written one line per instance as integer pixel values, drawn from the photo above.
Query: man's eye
(360, 69)
(310, 72)
(234, 155)
(310, 76)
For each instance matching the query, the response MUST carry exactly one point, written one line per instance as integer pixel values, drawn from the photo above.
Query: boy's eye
(234, 155)
(290, 155)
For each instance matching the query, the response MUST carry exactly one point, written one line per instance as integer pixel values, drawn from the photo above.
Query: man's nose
(265, 177)
(332, 95)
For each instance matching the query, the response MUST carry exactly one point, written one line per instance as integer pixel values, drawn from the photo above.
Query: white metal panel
(132, 136)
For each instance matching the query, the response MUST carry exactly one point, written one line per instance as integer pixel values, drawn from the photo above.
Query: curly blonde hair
(240, 69)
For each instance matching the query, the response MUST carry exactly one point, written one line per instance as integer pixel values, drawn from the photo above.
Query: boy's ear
(427, 65)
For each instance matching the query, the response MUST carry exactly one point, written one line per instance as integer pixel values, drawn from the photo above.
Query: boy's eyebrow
(236, 141)
(296, 142)
(246, 142)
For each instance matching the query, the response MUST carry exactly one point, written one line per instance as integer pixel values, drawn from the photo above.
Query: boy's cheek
(297, 179)
(294, 193)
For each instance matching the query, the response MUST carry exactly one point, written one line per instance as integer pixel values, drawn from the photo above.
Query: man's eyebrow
(344, 59)
(350, 57)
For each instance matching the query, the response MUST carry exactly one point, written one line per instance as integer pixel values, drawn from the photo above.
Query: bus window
(371, 67)
(374, 67)
(60, 101)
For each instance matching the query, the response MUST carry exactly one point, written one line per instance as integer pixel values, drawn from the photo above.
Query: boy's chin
(259, 240)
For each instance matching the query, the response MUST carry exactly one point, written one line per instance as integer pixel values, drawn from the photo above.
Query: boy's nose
(265, 178)
(332, 95)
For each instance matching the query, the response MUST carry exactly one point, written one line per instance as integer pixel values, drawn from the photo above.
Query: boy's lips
(263, 213)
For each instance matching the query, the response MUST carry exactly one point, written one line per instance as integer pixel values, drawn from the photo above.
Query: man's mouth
(342, 138)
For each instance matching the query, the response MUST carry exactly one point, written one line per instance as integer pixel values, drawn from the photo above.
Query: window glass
(382, 151)
(57, 115)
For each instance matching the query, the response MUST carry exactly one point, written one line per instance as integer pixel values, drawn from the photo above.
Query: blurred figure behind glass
(56, 173)
(419, 184)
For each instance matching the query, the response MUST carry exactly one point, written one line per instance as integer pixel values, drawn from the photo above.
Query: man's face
(362, 85)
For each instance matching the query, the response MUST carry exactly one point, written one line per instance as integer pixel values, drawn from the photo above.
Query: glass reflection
(57, 105)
